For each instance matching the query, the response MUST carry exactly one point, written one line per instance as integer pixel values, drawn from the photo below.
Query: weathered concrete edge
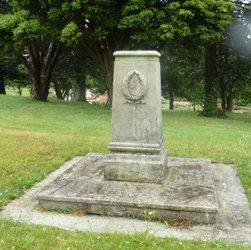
(110, 203)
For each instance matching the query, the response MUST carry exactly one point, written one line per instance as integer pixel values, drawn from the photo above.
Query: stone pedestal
(137, 148)
(135, 178)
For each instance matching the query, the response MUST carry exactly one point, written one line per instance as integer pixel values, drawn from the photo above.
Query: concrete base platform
(187, 192)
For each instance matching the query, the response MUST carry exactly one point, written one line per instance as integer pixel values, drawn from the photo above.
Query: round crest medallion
(134, 87)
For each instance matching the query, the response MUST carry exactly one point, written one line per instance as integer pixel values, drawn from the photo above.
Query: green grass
(18, 236)
(36, 138)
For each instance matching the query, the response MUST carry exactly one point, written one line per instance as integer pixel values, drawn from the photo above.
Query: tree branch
(52, 58)
(26, 64)
(49, 56)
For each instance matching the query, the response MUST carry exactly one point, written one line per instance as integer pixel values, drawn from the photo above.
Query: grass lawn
(36, 138)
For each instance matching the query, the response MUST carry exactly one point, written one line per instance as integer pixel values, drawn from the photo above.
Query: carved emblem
(134, 87)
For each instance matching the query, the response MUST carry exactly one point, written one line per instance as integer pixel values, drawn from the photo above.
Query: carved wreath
(134, 87)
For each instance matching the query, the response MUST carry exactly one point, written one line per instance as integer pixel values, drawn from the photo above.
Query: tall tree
(108, 25)
(234, 55)
(233, 75)
(206, 16)
(105, 26)
(35, 39)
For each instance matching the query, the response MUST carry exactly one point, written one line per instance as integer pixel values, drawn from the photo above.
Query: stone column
(137, 152)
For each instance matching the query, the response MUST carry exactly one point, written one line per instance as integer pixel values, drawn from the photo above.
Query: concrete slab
(233, 220)
(188, 191)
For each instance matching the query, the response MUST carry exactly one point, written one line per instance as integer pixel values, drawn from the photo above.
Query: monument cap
(136, 53)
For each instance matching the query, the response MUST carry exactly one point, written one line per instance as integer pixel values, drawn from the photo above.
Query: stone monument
(137, 147)
(136, 177)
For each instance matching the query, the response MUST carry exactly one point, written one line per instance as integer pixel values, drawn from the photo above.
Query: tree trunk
(66, 94)
(78, 90)
(36, 86)
(170, 90)
(171, 100)
(2, 86)
(41, 64)
(230, 102)
(210, 101)
(223, 95)
(58, 90)
(46, 84)
(40, 89)
(19, 91)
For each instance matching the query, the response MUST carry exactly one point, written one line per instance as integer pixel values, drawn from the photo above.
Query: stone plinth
(188, 191)
(137, 167)
(137, 143)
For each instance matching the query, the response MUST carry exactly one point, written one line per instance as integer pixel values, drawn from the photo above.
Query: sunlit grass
(20, 236)
(36, 138)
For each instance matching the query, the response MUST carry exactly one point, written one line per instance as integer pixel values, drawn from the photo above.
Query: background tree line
(70, 44)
